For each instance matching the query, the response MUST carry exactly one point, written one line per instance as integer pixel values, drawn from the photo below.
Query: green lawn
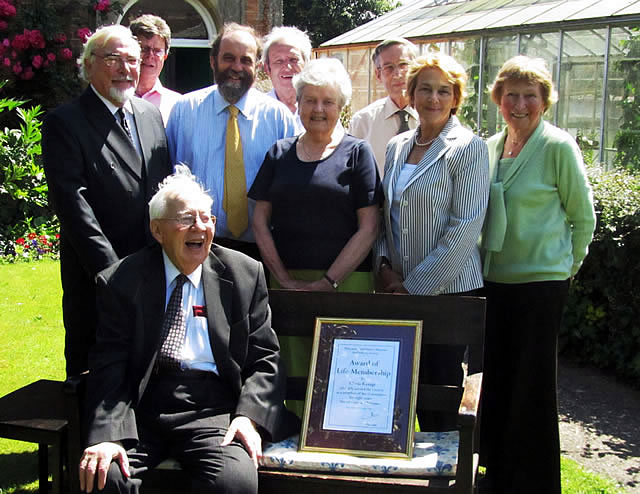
(31, 348)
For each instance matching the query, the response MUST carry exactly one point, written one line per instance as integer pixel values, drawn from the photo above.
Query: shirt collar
(171, 272)
(390, 109)
(110, 106)
(157, 88)
(245, 104)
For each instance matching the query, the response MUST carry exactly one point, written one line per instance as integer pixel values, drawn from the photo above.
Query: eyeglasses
(156, 52)
(189, 220)
(110, 59)
(390, 69)
(293, 62)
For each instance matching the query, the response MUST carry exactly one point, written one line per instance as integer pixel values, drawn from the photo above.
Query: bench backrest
(446, 320)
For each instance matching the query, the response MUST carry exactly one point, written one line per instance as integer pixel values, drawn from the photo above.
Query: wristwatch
(332, 282)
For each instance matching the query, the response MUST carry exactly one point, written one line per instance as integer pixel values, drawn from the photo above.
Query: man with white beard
(104, 154)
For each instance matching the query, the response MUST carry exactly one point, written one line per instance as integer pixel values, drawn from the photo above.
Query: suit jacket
(131, 298)
(99, 188)
(441, 211)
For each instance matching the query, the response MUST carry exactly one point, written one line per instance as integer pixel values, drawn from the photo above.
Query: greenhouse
(592, 48)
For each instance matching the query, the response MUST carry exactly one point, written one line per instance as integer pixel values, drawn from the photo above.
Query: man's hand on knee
(96, 460)
(245, 431)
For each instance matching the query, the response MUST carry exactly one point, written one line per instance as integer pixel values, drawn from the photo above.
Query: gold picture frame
(362, 387)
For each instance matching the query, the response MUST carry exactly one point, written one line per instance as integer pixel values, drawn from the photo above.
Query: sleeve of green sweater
(576, 197)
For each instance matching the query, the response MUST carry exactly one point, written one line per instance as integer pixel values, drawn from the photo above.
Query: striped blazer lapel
(438, 149)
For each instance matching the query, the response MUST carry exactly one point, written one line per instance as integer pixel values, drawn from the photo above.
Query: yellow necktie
(235, 184)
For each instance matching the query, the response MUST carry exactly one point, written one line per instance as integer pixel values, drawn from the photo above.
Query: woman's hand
(389, 281)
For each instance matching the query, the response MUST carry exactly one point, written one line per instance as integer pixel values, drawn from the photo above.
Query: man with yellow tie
(222, 132)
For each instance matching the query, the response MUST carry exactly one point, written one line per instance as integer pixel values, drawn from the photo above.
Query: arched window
(192, 31)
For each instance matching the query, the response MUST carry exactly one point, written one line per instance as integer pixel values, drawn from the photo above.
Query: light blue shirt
(196, 134)
(401, 183)
(196, 352)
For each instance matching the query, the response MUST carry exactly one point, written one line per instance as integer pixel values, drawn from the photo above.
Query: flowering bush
(36, 56)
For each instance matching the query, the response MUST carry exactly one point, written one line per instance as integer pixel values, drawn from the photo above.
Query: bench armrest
(470, 402)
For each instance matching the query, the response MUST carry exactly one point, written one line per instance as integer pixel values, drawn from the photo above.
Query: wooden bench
(446, 321)
(35, 413)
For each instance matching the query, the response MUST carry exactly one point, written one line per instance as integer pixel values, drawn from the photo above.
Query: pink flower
(17, 68)
(20, 42)
(60, 38)
(51, 57)
(6, 9)
(35, 38)
(83, 33)
(66, 54)
(27, 74)
(102, 6)
(6, 43)
(6, 62)
(37, 62)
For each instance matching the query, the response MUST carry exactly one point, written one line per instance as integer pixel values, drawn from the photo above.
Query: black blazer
(99, 188)
(131, 298)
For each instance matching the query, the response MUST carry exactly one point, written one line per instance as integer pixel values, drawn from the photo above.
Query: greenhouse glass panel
(581, 81)
(358, 67)
(467, 53)
(622, 129)
(499, 50)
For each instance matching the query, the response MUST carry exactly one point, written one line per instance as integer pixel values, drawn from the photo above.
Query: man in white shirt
(381, 120)
(154, 36)
(286, 51)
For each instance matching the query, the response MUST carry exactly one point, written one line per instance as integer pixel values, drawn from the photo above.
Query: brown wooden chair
(446, 321)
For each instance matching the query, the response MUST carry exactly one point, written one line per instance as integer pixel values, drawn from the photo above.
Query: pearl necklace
(422, 144)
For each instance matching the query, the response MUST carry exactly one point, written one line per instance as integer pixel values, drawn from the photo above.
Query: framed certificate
(362, 389)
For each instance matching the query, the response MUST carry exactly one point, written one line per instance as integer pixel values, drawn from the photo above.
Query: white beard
(122, 96)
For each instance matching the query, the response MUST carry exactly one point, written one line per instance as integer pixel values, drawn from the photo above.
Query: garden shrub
(602, 320)
(25, 215)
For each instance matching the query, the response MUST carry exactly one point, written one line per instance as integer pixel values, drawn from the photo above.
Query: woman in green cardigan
(539, 224)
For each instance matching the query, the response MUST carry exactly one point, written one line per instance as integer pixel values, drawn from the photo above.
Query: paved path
(600, 423)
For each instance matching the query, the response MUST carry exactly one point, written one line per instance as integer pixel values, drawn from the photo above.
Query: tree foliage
(324, 20)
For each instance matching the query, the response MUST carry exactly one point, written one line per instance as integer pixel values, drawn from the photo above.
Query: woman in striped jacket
(436, 186)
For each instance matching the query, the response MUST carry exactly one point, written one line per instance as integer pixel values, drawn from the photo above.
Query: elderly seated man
(186, 363)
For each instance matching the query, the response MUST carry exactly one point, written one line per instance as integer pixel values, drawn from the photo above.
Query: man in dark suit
(204, 400)
(102, 168)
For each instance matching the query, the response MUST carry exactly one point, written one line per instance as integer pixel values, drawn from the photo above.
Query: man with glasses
(104, 154)
(186, 364)
(154, 37)
(386, 117)
(286, 51)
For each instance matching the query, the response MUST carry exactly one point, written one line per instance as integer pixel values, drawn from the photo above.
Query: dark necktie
(123, 123)
(403, 116)
(174, 328)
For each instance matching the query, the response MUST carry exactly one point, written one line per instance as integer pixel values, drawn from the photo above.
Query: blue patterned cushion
(434, 453)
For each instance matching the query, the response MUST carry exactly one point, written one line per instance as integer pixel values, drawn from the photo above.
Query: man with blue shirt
(222, 132)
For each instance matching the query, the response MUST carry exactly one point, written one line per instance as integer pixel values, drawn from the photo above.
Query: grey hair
(412, 50)
(322, 72)
(183, 186)
(287, 35)
(100, 38)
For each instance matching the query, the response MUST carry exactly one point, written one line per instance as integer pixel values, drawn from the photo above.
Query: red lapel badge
(199, 311)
